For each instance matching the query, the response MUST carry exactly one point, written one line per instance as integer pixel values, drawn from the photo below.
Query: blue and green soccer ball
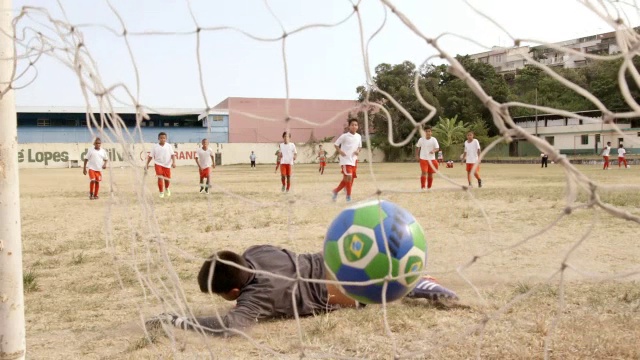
(355, 251)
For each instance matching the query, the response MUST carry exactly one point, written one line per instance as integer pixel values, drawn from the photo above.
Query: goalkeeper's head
(224, 279)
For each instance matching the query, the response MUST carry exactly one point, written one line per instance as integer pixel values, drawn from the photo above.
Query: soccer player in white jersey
(605, 155)
(621, 158)
(205, 161)
(286, 157)
(348, 146)
(426, 150)
(165, 158)
(472, 156)
(97, 159)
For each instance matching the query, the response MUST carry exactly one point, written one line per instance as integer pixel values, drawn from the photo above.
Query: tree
(449, 132)
(399, 81)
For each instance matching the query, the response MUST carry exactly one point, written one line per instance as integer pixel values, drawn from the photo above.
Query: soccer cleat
(348, 198)
(428, 288)
(156, 322)
(206, 191)
(90, 196)
(96, 197)
(161, 195)
(201, 190)
(283, 188)
(334, 195)
(479, 183)
(168, 192)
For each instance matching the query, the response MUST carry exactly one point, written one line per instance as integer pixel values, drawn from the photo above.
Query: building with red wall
(262, 120)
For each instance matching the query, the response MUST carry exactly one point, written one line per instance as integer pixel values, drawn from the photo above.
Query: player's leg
(206, 189)
(96, 187)
(433, 168)
(423, 173)
(91, 184)
(349, 185)
(336, 297)
(159, 175)
(167, 181)
(477, 175)
(200, 175)
(343, 182)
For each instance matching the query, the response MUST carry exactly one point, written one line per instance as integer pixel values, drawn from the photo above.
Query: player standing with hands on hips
(426, 150)
(348, 146)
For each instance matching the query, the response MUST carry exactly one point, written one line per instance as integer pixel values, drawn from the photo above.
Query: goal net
(544, 263)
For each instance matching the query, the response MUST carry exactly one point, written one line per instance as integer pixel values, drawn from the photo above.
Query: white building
(506, 60)
(578, 136)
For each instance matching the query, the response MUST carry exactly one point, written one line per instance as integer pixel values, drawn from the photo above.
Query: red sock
(429, 182)
(340, 187)
(160, 185)
(349, 186)
(282, 179)
(166, 184)
(96, 188)
(423, 180)
(288, 184)
(92, 185)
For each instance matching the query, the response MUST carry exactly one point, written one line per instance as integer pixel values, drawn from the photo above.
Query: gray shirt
(268, 297)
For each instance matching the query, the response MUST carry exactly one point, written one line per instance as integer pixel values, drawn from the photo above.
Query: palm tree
(450, 131)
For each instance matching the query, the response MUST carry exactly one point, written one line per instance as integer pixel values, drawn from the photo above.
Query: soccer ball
(355, 251)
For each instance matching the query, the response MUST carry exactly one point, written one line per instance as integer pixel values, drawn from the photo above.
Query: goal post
(12, 324)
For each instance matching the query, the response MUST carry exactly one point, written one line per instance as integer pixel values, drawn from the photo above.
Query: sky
(326, 62)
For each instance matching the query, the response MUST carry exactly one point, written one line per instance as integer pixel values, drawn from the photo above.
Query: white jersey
(162, 154)
(621, 152)
(95, 159)
(287, 151)
(204, 157)
(472, 149)
(426, 147)
(606, 151)
(349, 143)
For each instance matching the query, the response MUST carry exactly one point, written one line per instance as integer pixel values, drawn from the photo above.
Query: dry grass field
(85, 301)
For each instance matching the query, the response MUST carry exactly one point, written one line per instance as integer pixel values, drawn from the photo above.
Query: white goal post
(12, 325)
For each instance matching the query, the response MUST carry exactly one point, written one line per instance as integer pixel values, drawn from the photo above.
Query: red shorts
(163, 172)
(470, 166)
(285, 169)
(95, 175)
(429, 169)
(323, 163)
(205, 172)
(349, 170)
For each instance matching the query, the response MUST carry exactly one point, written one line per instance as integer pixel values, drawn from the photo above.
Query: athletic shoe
(334, 195)
(348, 198)
(428, 288)
(283, 188)
(479, 183)
(96, 197)
(161, 195)
(206, 191)
(168, 192)
(90, 196)
(201, 190)
(156, 322)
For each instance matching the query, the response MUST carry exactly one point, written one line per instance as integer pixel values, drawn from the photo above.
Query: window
(549, 139)
(70, 122)
(176, 124)
(217, 118)
(44, 122)
(166, 124)
(584, 139)
(620, 141)
(598, 138)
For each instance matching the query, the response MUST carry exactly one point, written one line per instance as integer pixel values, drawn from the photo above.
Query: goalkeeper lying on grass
(260, 296)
